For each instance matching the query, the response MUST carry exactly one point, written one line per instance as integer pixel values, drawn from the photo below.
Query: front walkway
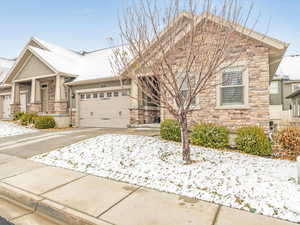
(58, 192)
(28, 145)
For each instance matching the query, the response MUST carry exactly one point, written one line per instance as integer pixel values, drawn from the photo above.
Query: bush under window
(253, 140)
(17, 116)
(170, 130)
(44, 122)
(28, 118)
(210, 135)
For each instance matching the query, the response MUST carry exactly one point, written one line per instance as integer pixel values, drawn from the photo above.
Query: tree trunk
(186, 154)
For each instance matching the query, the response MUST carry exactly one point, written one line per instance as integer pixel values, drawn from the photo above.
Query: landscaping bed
(252, 183)
(11, 129)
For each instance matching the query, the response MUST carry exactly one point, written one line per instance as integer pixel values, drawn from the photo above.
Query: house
(80, 88)
(295, 103)
(284, 83)
(5, 65)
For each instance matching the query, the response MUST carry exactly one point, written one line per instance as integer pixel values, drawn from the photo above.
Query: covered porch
(46, 95)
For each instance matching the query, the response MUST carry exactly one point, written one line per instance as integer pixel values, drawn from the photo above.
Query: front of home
(80, 89)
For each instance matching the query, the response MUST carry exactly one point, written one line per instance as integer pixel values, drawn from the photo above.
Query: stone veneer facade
(256, 57)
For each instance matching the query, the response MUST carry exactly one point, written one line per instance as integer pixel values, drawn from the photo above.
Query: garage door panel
(109, 112)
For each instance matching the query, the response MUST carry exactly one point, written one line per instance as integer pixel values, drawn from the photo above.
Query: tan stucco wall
(33, 68)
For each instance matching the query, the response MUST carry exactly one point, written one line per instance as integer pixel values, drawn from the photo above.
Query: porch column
(15, 98)
(33, 90)
(35, 97)
(60, 105)
(57, 89)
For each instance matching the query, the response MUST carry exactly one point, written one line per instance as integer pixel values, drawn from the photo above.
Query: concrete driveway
(28, 145)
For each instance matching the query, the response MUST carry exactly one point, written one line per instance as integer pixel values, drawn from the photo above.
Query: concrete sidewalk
(35, 194)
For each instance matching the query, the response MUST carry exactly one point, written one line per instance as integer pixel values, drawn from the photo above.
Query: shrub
(17, 116)
(44, 122)
(28, 118)
(287, 143)
(252, 140)
(170, 130)
(210, 135)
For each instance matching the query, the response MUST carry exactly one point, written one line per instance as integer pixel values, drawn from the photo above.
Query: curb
(51, 210)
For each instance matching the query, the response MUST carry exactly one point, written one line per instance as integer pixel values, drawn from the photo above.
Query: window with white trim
(232, 87)
(185, 88)
(296, 87)
(274, 87)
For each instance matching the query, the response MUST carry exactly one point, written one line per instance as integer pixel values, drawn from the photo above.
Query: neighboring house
(295, 102)
(5, 65)
(80, 88)
(286, 81)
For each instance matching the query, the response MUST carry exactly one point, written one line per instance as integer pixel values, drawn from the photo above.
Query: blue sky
(86, 24)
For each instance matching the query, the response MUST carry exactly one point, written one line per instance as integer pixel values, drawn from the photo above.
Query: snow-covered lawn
(242, 181)
(11, 129)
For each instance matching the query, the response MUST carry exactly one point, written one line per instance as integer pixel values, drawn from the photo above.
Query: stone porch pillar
(1, 106)
(60, 104)
(35, 97)
(15, 98)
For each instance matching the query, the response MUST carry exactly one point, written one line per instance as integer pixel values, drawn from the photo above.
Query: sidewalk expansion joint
(118, 202)
(18, 217)
(216, 215)
(59, 186)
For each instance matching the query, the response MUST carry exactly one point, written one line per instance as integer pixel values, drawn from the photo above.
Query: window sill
(233, 107)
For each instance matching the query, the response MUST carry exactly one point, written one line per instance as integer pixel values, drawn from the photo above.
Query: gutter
(92, 81)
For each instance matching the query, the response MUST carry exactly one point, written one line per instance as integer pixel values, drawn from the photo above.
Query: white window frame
(196, 105)
(272, 89)
(243, 66)
(294, 87)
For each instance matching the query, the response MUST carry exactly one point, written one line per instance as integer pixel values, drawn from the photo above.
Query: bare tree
(174, 51)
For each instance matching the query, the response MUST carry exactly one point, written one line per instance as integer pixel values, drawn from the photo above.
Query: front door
(44, 98)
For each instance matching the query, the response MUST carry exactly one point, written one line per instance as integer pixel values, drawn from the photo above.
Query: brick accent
(61, 107)
(143, 116)
(14, 108)
(35, 107)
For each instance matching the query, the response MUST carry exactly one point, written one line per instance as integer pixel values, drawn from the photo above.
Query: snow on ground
(11, 129)
(242, 181)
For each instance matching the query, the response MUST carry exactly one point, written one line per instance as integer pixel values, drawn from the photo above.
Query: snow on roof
(290, 67)
(90, 65)
(5, 65)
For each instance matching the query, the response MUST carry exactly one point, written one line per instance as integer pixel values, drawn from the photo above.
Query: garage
(104, 109)
(5, 106)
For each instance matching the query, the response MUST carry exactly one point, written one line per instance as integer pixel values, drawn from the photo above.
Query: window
(296, 87)
(95, 95)
(82, 96)
(101, 95)
(108, 94)
(125, 92)
(116, 93)
(88, 96)
(232, 87)
(274, 87)
(184, 88)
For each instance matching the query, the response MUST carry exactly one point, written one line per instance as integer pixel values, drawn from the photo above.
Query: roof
(5, 65)
(279, 47)
(294, 94)
(86, 66)
(289, 67)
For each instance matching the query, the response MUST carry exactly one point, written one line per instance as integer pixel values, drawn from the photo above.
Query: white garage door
(104, 109)
(6, 107)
